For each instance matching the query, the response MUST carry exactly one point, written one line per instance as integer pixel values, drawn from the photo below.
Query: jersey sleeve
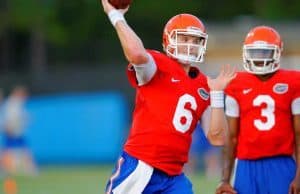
(231, 107)
(145, 72)
(296, 94)
(231, 103)
(229, 90)
(139, 75)
(131, 76)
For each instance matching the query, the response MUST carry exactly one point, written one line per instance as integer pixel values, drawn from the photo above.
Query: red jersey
(265, 116)
(167, 110)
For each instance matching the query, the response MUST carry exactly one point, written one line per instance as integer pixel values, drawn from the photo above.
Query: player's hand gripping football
(225, 188)
(219, 83)
(108, 7)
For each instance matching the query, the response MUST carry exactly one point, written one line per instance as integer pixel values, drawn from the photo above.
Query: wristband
(115, 16)
(217, 99)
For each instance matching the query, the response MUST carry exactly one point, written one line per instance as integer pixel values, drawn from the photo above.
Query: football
(120, 4)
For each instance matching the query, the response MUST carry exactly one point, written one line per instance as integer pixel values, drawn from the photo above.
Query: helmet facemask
(261, 58)
(186, 52)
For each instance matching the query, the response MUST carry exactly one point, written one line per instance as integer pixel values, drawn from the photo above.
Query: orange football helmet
(262, 50)
(188, 25)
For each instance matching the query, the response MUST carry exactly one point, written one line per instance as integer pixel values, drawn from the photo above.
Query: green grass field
(85, 180)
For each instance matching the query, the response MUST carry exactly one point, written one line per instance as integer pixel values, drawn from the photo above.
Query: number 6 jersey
(265, 110)
(167, 110)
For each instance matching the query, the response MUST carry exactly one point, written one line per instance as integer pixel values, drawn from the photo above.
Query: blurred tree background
(54, 45)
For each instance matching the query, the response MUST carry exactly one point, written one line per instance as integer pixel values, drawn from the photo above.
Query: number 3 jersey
(167, 110)
(265, 110)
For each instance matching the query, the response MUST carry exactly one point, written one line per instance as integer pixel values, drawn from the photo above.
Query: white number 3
(267, 112)
(183, 117)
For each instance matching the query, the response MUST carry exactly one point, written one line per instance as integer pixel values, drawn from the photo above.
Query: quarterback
(172, 95)
(263, 109)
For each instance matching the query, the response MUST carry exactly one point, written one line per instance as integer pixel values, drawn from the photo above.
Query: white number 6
(182, 113)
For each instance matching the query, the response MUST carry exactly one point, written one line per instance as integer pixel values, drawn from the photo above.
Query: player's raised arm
(218, 124)
(132, 45)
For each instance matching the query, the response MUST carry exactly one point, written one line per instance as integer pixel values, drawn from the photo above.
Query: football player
(171, 96)
(263, 109)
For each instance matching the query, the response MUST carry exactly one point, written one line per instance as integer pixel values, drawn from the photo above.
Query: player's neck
(185, 67)
(265, 77)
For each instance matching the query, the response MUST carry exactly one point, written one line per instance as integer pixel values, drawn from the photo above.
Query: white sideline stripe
(114, 176)
(136, 182)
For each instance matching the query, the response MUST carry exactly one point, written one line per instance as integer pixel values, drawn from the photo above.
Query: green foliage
(72, 26)
(277, 9)
(27, 15)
